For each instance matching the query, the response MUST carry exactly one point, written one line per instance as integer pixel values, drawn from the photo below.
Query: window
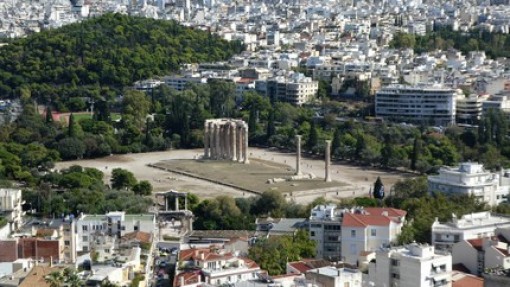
(66, 242)
(353, 233)
(123, 228)
(136, 228)
(395, 262)
(395, 276)
(373, 232)
(85, 227)
(85, 248)
(85, 239)
(312, 233)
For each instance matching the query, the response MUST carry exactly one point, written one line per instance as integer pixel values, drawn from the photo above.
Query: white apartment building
(469, 226)
(369, 230)
(90, 227)
(334, 277)
(500, 101)
(11, 209)
(179, 82)
(345, 234)
(471, 179)
(294, 88)
(413, 265)
(218, 267)
(417, 104)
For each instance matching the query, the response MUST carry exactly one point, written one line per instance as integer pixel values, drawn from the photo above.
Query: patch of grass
(253, 176)
(3, 221)
(170, 238)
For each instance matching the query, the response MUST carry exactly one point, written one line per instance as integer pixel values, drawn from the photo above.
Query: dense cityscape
(272, 143)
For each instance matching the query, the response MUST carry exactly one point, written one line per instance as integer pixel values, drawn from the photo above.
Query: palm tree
(71, 278)
(55, 279)
(74, 281)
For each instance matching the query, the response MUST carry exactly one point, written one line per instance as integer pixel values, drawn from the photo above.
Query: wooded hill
(112, 50)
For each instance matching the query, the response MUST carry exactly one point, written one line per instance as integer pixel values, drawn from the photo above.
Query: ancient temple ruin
(226, 139)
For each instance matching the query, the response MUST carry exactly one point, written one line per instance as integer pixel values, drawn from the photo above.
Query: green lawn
(78, 117)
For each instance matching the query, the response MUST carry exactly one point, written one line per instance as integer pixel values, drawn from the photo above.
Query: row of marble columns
(226, 139)
(327, 158)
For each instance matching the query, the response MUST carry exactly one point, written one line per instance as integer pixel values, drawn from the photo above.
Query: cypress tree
(313, 138)
(252, 123)
(71, 129)
(416, 152)
(271, 130)
(49, 115)
(378, 188)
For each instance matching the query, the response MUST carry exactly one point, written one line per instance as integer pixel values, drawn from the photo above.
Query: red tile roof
(299, 266)
(476, 243)
(361, 220)
(139, 236)
(189, 278)
(391, 212)
(460, 279)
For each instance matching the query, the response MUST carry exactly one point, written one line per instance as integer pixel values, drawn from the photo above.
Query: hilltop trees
(86, 59)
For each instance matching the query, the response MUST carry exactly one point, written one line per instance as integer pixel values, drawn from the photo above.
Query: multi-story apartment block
(471, 179)
(469, 226)
(499, 101)
(179, 83)
(53, 240)
(344, 234)
(295, 89)
(469, 109)
(116, 224)
(417, 104)
(413, 265)
(368, 230)
(335, 277)
(11, 208)
(326, 230)
(218, 268)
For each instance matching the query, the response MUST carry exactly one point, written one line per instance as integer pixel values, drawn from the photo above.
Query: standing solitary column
(298, 154)
(206, 140)
(245, 144)
(327, 154)
(233, 139)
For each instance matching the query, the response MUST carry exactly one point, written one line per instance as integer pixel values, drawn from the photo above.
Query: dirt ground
(358, 180)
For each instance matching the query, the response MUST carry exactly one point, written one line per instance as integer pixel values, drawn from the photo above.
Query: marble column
(233, 139)
(206, 140)
(228, 152)
(239, 143)
(217, 139)
(327, 153)
(245, 144)
(298, 154)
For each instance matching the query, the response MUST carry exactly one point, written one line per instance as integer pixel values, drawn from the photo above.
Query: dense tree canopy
(112, 50)
(494, 44)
